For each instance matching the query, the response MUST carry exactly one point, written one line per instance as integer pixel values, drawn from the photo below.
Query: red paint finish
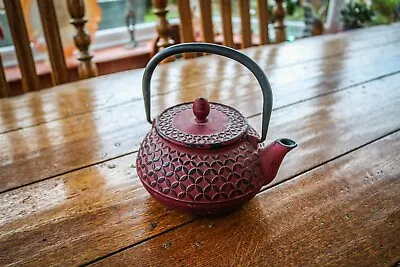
(272, 156)
(194, 179)
(215, 123)
(204, 161)
(223, 126)
(201, 109)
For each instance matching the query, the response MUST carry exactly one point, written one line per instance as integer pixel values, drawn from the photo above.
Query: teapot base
(201, 209)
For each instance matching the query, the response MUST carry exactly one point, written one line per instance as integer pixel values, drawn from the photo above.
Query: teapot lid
(201, 124)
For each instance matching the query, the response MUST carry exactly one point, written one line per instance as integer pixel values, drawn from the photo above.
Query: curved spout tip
(272, 156)
(286, 142)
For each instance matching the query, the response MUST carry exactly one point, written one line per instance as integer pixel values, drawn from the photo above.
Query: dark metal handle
(218, 50)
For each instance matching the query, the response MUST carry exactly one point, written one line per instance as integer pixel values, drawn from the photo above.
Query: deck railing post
(280, 28)
(19, 33)
(4, 88)
(87, 68)
(161, 10)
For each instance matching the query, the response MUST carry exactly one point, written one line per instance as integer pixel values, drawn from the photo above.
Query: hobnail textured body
(201, 181)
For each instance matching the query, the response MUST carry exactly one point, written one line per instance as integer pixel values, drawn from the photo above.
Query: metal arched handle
(218, 50)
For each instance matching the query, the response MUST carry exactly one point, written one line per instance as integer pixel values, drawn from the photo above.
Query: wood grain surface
(185, 16)
(71, 196)
(345, 213)
(186, 25)
(245, 25)
(226, 15)
(87, 68)
(105, 201)
(4, 88)
(51, 31)
(279, 17)
(263, 21)
(108, 91)
(50, 149)
(19, 33)
(207, 28)
(160, 9)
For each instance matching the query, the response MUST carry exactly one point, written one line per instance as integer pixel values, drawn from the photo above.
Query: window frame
(144, 32)
(106, 38)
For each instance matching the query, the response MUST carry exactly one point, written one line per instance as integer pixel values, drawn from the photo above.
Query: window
(112, 29)
(6, 30)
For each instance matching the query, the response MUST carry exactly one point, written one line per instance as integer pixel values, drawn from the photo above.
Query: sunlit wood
(226, 15)
(21, 42)
(55, 50)
(207, 31)
(245, 23)
(335, 206)
(277, 64)
(4, 88)
(163, 27)
(87, 68)
(263, 21)
(186, 24)
(185, 16)
(68, 174)
(280, 28)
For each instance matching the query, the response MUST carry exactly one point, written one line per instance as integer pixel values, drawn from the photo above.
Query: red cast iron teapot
(203, 157)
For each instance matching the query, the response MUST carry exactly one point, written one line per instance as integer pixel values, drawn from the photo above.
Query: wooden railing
(53, 40)
(18, 29)
(280, 28)
(86, 69)
(19, 34)
(160, 9)
(76, 10)
(206, 23)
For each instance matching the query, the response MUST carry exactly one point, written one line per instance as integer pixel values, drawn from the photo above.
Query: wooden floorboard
(344, 213)
(111, 90)
(89, 213)
(102, 135)
(116, 131)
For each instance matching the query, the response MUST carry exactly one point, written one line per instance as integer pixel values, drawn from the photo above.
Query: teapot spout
(272, 155)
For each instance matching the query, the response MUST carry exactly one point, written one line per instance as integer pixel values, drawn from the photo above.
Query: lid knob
(201, 109)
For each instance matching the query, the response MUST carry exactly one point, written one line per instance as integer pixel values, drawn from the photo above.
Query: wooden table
(70, 194)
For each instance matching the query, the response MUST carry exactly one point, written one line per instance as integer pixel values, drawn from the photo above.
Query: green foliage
(149, 16)
(292, 6)
(148, 5)
(294, 11)
(386, 9)
(356, 15)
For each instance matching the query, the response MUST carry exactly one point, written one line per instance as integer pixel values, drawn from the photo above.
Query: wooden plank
(164, 30)
(80, 203)
(226, 14)
(244, 11)
(55, 50)
(88, 208)
(280, 27)
(21, 42)
(344, 213)
(186, 25)
(95, 94)
(87, 68)
(207, 30)
(185, 16)
(263, 21)
(113, 132)
(4, 88)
